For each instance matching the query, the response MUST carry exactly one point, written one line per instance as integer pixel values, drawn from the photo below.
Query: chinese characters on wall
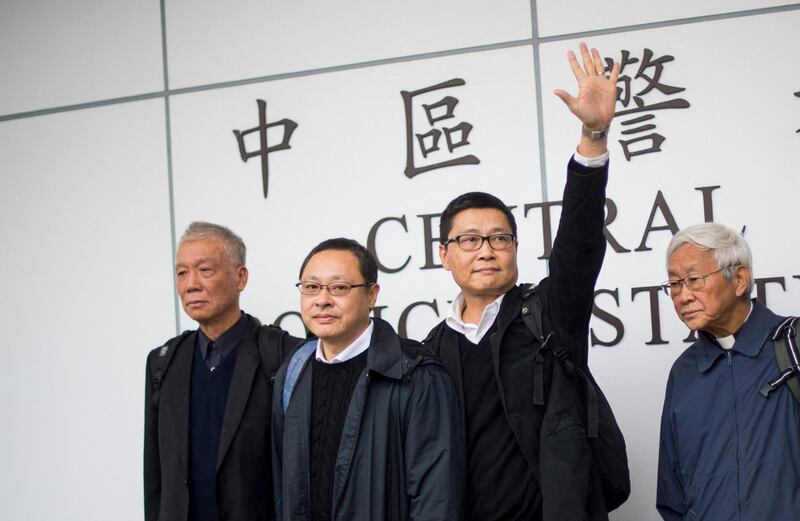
(436, 137)
(438, 122)
(639, 123)
(264, 149)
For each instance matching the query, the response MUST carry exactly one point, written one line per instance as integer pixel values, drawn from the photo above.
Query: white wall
(102, 150)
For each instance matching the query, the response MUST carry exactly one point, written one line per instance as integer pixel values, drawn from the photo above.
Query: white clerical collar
(353, 350)
(472, 332)
(726, 342)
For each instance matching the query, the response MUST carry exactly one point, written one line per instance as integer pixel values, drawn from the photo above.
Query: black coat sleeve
(577, 256)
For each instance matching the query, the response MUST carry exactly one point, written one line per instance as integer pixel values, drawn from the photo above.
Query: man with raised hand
(512, 472)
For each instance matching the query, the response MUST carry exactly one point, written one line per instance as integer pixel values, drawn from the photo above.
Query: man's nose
(486, 251)
(192, 281)
(323, 298)
(684, 293)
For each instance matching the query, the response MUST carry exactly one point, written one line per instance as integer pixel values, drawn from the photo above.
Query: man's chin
(200, 318)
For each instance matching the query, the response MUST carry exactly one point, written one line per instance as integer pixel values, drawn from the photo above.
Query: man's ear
(243, 275)
(443, 256)
(373, 295)
(741, 277)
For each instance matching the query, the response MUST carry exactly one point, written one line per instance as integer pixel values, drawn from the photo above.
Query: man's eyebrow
(476, 231)
(335, 278)
(691, 270)
(195, 263)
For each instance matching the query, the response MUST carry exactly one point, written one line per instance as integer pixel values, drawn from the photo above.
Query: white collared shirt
(353, 350)
(473, 332)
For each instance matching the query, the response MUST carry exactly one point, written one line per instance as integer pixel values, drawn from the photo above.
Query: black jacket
(552, 438)
(244, 484)
(399, 457)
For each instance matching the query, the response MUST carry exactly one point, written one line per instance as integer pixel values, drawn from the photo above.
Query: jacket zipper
(736, 433)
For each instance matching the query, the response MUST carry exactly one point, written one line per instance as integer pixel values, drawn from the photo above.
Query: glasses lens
(310, 288)
(470, 242)
(695, 283)
(339, 289)
(501, 241)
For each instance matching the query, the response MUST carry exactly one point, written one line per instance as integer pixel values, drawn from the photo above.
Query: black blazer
(244, 483)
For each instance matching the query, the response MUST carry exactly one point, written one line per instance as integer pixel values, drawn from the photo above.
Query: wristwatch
(594, 134)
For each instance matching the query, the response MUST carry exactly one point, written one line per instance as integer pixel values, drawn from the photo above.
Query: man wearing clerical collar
(365, 427)
(726, 450)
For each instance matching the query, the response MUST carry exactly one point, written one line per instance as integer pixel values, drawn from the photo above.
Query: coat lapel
(384, 356)
(247, 361)
(350, 432)
(178, 396)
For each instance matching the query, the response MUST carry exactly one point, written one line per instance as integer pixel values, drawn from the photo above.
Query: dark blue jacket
(727, 452)
(399, 454)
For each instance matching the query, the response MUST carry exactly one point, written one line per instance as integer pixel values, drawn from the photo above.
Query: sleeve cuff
(591, 162)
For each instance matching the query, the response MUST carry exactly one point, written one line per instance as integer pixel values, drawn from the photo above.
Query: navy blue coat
(399, 456)
(727, 452)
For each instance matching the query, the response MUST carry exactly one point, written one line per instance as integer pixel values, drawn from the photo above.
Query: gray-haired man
(727, 451)
(209, 394)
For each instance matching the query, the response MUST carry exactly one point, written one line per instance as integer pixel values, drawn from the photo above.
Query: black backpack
(788, 356)
(274, 344)
(605, 437)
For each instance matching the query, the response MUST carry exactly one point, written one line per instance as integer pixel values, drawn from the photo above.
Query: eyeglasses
(472, 242)
(692, 282)
(336, 289)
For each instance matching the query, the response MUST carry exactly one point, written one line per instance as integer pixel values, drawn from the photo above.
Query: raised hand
(597, 94)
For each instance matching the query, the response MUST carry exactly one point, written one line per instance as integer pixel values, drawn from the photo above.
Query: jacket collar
(384, 355)
(750, 338)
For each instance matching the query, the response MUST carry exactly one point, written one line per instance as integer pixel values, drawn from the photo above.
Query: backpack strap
(538, 324)
(788, 357)
(273, 348)
(533, 315)
(160, 364)
(296, 364)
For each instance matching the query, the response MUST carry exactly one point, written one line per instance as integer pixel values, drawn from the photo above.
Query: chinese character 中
(649, 73)
(455, 136)
(264, 149)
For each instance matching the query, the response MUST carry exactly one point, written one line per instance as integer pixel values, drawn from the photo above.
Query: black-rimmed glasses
(336, 289)
(474, 242)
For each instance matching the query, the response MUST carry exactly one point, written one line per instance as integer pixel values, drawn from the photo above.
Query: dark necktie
(213, 356)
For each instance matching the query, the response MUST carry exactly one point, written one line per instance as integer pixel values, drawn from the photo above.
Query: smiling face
(483, 274)
(336, 321)
(720, 307)
(209, 283)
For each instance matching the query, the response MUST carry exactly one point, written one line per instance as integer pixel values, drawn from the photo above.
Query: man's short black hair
(366, 260)
(468, 201)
